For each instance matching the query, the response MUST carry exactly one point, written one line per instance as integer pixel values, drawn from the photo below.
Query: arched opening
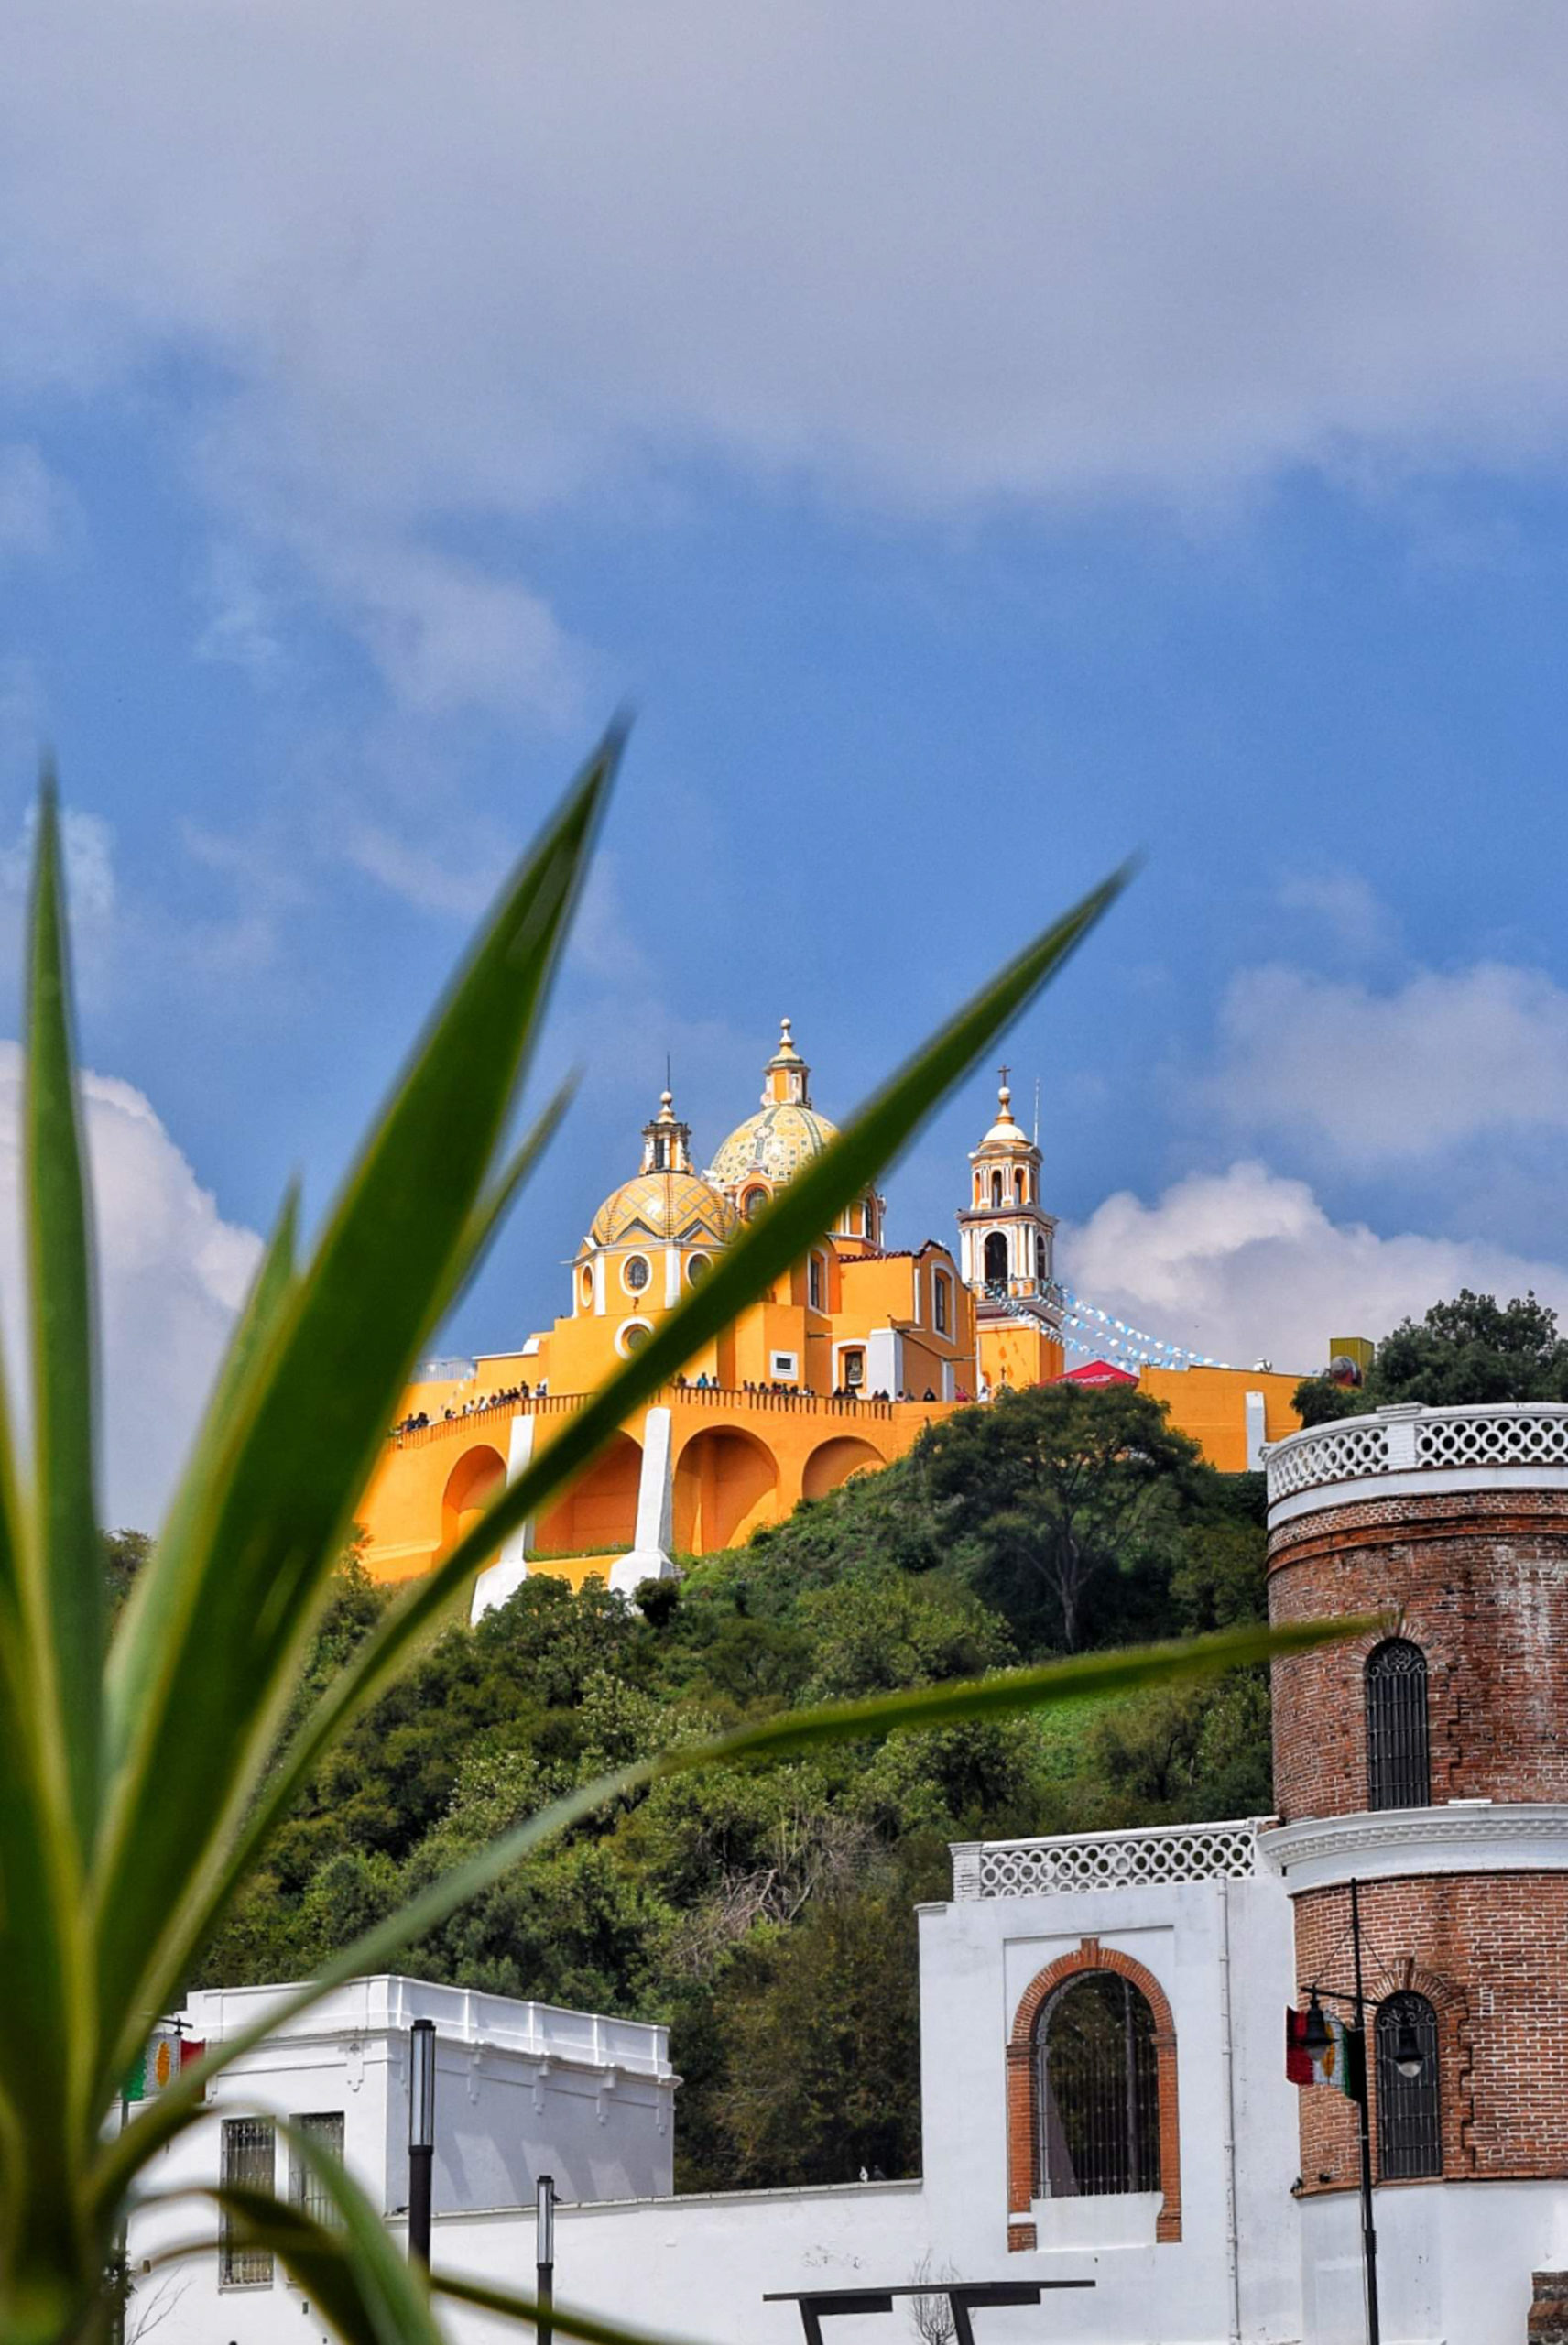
(472, 1484)
(995, 1188)
(1018, 1187)
(835, 1462)
(1096, 2090)
(1039, 1259)
(1398, 1764)
(726, 1483)
(1410, 2131)
(996, 1260)
(600, 1508)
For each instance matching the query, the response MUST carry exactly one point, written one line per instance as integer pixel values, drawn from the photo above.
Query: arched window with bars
(1096, 2087)
(1409, 2125)
(1399, 1763)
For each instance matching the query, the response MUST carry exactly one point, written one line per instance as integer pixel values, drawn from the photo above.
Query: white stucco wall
(977, 1958)
(698, 2268)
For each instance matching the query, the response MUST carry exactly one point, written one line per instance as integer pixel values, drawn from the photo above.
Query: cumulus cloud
(1247, 1265)
(1374, 1079)
(171, 1274)
(441, 265)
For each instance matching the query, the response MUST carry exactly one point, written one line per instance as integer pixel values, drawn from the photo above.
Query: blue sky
(975, 451)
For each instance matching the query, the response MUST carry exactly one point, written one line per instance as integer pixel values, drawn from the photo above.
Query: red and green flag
(166, 2052)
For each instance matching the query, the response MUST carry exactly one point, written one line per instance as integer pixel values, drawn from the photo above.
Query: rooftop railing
(1508, 1435)
(1080, 1860)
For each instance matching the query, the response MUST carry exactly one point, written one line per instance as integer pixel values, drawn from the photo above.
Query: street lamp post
(1409, 2060)
(421, 2136)
(544, 2260)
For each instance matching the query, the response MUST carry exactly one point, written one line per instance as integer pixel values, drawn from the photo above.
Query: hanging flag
(1342, 2062)
(160, 2065)
(1299, 2068)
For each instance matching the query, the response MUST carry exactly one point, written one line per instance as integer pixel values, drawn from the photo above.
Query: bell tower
(1007, 1245)
(665, 1143)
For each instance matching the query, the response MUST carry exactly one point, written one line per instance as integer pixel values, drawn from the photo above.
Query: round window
(635, 1274)
(698, 1268)
(587, 1286)
(634, 1335)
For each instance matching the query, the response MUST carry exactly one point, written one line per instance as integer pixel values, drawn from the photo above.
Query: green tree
(1058, 1493)
(820, 2034)
(1470, 1349)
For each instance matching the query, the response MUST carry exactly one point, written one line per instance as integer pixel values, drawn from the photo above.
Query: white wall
(1454, 2261)
(698, 2268)
(521, 2089)
(977, 1958)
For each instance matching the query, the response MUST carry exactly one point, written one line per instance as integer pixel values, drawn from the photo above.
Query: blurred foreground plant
(140, 1776)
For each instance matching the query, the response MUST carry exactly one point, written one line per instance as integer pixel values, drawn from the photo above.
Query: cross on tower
(1006, 1072)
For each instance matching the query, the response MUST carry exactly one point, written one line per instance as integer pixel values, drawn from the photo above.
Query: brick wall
(1481, 1581)
(1483, 1949)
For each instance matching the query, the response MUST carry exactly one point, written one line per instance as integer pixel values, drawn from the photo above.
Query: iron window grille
(1399, 1763)
(250, 2164)
(1410, 2131)
(325, 2129)
(1096, 2090)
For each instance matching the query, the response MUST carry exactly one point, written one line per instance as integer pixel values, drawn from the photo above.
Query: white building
(1106, 2108)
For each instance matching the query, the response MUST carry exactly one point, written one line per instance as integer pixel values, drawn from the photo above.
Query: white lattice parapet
(1108, 1859)
(1495, 1445)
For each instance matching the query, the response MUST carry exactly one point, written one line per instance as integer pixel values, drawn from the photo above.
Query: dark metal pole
(119, 2260)
(1368, 2227)
(421, 2136)
(544, 2251)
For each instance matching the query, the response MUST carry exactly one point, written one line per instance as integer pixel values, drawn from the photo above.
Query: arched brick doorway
(726, 1483)
(1022, 2143)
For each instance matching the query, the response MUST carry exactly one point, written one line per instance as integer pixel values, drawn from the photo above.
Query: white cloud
(1347, 909)
(441, 265)
(171, 1274)
(1244, 1265)
(1373, 1078)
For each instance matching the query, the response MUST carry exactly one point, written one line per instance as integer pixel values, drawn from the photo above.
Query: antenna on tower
(1037, 1111)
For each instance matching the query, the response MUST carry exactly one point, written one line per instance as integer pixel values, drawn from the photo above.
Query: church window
(634, 1335)
(853, 1366)
(635, 1274)
(1041, 1270)
(1018, 1187)
(996, 1263)
(585, 1286)
(1096, 2090)
(749, 1202)
(698, 1268)
(1410, 2134)
(995, 1188)
(939, 1302)
(1399, 1767)
(814, 1282)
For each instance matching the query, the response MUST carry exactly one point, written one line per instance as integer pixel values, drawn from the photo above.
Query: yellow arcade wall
(741, 1459)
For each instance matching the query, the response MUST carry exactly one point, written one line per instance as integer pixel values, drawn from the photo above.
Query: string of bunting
(1113, 1335)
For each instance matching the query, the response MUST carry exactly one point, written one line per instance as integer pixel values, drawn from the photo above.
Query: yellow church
(836, 1370)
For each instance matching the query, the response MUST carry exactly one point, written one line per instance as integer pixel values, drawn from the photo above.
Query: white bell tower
(1007, 1240)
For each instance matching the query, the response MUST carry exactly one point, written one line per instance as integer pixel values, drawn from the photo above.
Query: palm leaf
(205, 1661)
(67, 1567)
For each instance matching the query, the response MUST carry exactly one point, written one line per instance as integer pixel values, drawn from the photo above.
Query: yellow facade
(836, 1370)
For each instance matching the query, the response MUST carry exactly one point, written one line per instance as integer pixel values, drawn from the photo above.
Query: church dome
(664, 1209)
(785, 1133)
(776, 1142)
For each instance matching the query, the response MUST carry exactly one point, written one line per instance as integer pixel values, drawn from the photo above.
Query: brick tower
(1429, 1763)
